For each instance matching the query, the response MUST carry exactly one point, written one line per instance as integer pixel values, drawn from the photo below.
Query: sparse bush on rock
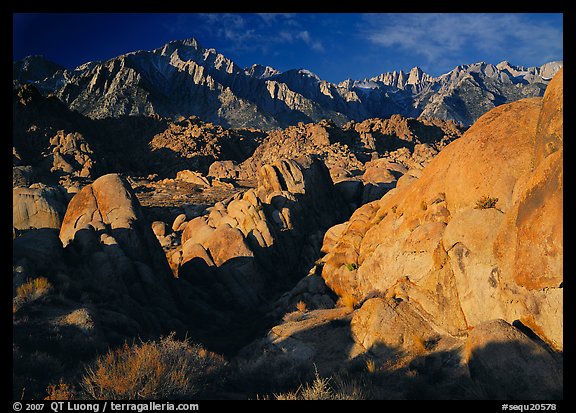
(164, 369)
(322, 388)
(486, 202)
(30, 291)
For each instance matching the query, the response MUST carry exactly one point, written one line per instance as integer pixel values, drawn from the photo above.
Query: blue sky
(335, 46)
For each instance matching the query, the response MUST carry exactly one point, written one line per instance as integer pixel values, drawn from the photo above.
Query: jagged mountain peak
(308, 73)
(548, 70)
(260, 71)
(416, 76)
(184, 78)
(34, 59)
(299, 74)
(34, 68)
(189, 43)
(187, 49)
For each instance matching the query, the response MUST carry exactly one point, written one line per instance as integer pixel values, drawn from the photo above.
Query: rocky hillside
(182, 78)
(64, 146)
(456, 276)
(391, 258)
(346, 149)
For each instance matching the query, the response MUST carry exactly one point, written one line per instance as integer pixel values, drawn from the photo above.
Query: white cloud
(300, 35)
(249, 32)
(440, 36)
(273, 18)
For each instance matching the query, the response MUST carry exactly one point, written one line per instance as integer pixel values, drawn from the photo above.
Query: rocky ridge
(184, 78)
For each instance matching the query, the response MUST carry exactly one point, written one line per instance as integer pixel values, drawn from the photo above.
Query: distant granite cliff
(182, 78)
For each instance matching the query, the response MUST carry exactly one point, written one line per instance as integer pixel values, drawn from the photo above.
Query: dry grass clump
(323, 388)
(370, 366)
(29, 291)
(420, 345)
(62, 391)
(301, 306)
(153, 370)
(269, 373)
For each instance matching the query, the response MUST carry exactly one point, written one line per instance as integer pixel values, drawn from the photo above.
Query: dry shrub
(153, 370)
(370, 366)
(486, 202)
(60, 392)
(351, 266)
(301, 306)
(292, 316)
(323, 388)
(420, 345)
(270, 373)
(29, 291)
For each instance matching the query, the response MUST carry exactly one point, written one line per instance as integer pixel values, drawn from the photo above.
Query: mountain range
(183, 78)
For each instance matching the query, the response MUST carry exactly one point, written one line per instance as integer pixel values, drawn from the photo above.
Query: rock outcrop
(38, 206)
(196, 145)
(478, 236)
(455, 274)
(346, 149)
(65, 147)
(72, 155)
(116, 247)
(94, 281)
(243, 249)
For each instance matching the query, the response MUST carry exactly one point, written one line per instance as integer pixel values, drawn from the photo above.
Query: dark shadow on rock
(223, 304)
(385, 142)
(425, 133)
(514, 371)
(41, 246)
(383, 372)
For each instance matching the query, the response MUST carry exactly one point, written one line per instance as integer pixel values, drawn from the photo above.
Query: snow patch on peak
(365, 84)
(308, 73)
(260, 71)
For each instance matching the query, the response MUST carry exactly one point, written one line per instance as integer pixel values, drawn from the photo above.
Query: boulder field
(452, 263)
(464, 260)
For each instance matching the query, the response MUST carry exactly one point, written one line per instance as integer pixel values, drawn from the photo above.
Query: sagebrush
(164, 369)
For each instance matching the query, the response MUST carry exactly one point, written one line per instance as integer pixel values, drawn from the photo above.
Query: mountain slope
(184, 78)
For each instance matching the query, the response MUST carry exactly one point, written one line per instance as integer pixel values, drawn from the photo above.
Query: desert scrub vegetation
(486, 202)
(370, 366)
(322, 388)
(31, 290)
(61, 391)
(164, 369)
(301, 306)
(351, 266)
